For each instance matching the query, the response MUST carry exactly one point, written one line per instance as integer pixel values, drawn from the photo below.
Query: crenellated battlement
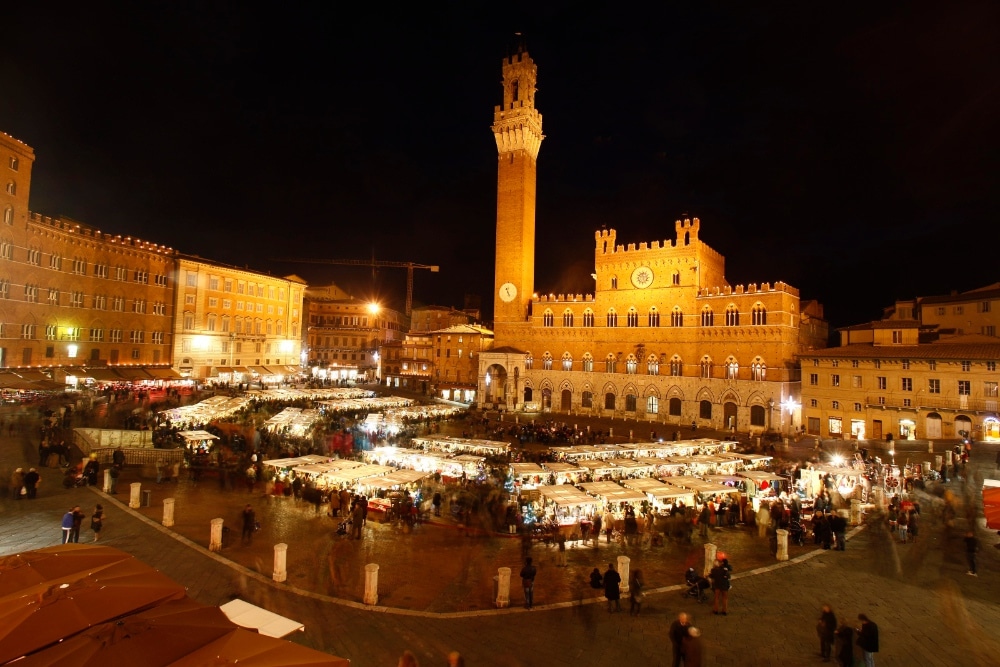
(562, 298)
(752, 288)
(73, 227)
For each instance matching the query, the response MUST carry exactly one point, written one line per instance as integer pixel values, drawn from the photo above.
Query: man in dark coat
(612, 581)
(868, 639)
(679, 630)
(31, 480)
(838, 526)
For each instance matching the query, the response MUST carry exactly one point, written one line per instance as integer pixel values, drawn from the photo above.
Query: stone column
(782, 544)
(107, 480)
(623, 563)
(215, 541)
(280, 559)
(710, 550)
(168, 512)
(855, 511)
(503, 587)
(133, 500)
(371, 584)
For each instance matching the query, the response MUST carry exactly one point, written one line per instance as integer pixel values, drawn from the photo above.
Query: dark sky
(851, 153)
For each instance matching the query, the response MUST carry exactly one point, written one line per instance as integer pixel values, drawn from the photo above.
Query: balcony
(933, 402)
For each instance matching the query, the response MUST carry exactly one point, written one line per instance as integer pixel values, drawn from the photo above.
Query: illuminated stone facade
(664, 336)
(71, 295)
(456, 360)
(230, 320)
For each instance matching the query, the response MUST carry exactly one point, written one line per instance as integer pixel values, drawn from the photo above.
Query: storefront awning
(241, 369)
(32, 376)
(134, 374)
(260, 370)
(11, 381)
(104, 374)
(225, 369)
(293, 370)
(276, 370)
(163, 373)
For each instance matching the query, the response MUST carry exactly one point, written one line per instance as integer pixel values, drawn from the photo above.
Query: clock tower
(517, 127)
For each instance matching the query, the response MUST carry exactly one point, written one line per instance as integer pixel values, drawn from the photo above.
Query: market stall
(566, 505)
(561, 472)
(198, 442)
(527, 475)
(455, 445)
(762, 485)
(662, 496)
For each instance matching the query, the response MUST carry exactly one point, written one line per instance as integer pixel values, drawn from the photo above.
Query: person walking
(597, 528)
(868, 640)
(249, 524)
(609, 524)
(97, 521)
(67, 525)
(838, 526)
(17, 483)
(971, 549)
(612, 588)
(827, 630)
(528, 573)
(679, 631)
(721, 584)
(635, 592)
(357, 519)
(845, 646)
(78, 516)
(692, 648)
(31, 481)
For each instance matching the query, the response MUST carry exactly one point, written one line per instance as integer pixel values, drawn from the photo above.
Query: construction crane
(409, 266)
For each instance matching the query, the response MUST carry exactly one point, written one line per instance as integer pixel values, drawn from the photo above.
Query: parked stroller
(697, 585)
(344, 527)
(796, 532)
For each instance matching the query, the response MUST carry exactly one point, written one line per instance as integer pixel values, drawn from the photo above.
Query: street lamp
(770, 413)
(791, 405)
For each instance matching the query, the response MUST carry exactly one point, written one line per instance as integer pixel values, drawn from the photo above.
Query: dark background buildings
(851, 152)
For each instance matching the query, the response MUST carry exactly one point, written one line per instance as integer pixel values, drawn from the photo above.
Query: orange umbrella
(151, 638)
(249, 649)
(19, 571)
(46, 613)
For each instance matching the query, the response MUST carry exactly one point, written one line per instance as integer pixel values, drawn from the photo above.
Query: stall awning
(241, 369)
(257, 618)
(225, 369)
(32, 376)
(276, 370)
(163, 373)
(260, 370)
(133, 374)
(293, 369)
(104, 374)
(11, 381)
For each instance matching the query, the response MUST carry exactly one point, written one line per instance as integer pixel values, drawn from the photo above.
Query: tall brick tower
(517, 126)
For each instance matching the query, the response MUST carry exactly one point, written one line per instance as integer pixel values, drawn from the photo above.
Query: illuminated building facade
(344, 335)
(664, 337)
(72, 296)
(234, 325)
(408, 362)
(456, 360)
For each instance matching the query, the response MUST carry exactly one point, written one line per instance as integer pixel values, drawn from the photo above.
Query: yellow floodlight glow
(286, 346)
(373, 308)
(200, 342)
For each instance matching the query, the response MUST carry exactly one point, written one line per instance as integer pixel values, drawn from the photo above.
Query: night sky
(852, 154)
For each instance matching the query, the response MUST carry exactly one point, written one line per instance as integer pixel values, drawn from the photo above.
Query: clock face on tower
(642, 277)
(508, 292)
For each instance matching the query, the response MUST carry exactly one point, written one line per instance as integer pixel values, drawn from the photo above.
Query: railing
(927, 402)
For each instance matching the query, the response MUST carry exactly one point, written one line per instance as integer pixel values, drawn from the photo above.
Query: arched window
(588, 318)
(210, 322)
(609, 401)
(633, 318)
(676, 317)
(546, 362)
(630, 402)
(758, 316)
(586, 400)
(653, 365)
(707, 317)
(588, 363)
(8, 215)
(674, 407)
(567, 362)
(652, 405)
(11, 188)
(757, 415)
(612, 318)
(547, 318)
(758, 370)
(529, 361)
(706, 367)
(732, 316)
(281, 329)
(567, 318)
(631, 365)
(676, 367)
(610, 363)
(676, 278)
(732, 369)
(654, 317)
(705, 409)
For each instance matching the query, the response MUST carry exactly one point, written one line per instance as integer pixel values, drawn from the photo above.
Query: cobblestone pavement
(929, 611)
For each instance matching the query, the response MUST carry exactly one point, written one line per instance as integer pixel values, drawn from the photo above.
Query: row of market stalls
(265, 374)
(13, 381)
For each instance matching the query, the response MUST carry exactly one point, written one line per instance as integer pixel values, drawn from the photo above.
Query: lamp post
(770, 413)
(791, 405)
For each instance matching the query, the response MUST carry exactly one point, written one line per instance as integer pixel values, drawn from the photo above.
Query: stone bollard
(623, 563)
(758, 442)
(611, 432)
(930, 446)
(168, 512)
(133, 499)
(371, 584)
(938, 462)
(782, 544)
(710, 550)
(280, 560)
(503, 587)
(107, 480)
(215, 541)
(855, 511)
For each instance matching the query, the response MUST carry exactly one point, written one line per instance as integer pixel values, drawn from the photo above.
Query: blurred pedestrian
(596, 579)
(868, 639)
(78, 517)
(612, 588)
(636, 592)
(97, 521)
(692, 648)
(17, 484)
(827, 630)
(31, 481)
(408, 660)
(971, 549)
(455, 659)
(528, 573)
(721, 583)
(845, 646)
(67, 525)
(249, 524)
(679, 631)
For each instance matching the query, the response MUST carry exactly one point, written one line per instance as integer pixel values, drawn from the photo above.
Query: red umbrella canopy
(54, 564)
(152, 638)
(46, 613)
(249, 649)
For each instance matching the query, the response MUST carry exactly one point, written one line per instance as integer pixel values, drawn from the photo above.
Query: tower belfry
(517, 127)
